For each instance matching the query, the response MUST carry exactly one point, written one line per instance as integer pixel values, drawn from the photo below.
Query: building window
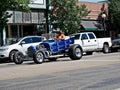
(14, 31)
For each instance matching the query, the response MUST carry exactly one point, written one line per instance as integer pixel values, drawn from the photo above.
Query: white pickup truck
(89, 43)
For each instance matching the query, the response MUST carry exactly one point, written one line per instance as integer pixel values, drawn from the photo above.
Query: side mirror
(23, 42)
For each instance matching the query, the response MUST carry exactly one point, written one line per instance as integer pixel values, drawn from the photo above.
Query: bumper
(115, 46)
(4, 55)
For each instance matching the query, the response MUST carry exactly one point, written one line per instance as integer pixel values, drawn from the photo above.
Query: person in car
(60, 36)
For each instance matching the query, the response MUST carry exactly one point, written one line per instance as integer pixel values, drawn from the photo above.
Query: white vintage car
(21, 44)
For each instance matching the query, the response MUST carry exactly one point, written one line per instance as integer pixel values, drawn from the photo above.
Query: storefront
(93, 26)
(21, 24)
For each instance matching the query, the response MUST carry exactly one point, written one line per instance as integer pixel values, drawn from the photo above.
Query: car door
(25, 43)
(85, 42)
(92, 41)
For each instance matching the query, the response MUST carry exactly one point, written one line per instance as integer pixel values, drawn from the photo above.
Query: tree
(66, 15)
(114, 12)
(10, 4)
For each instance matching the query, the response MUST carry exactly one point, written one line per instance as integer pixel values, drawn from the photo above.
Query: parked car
(19, 44)
(115, 44)
(90, 43)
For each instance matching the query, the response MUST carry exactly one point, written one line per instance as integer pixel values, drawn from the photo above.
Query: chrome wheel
(78, 52)
(38, 57)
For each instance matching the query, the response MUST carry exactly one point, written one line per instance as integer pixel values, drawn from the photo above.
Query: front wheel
(75, 52)
(18, 58)
(11, 55)
(38, 57)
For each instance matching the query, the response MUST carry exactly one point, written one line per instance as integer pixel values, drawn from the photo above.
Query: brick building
(94, 21)
(95, 8)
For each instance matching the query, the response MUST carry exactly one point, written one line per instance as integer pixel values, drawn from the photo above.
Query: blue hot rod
(51, 49)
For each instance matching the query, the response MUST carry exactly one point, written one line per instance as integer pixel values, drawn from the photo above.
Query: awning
(91, 29)
(91, 25)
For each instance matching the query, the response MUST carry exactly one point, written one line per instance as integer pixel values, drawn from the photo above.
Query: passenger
(60, 36)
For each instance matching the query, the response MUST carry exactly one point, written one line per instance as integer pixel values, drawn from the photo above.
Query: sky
(92, 0)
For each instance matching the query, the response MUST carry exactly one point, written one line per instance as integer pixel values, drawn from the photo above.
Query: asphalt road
(94, 72)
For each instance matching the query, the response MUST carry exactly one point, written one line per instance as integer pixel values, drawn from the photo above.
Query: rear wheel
(75, 52)
(38, 57)
(18, 58)
(105, 48)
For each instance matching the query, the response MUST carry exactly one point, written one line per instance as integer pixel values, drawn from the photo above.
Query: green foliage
(114, 11)
(11, 4)
(66, 15)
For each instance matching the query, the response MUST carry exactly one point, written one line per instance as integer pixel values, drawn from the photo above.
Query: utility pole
(1, 35)
(47, 21)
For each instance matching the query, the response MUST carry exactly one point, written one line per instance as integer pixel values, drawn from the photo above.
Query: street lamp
(104, 25)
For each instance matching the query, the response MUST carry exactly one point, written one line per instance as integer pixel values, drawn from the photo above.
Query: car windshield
(13, 41)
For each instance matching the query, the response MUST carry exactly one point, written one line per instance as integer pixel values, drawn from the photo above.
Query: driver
(60, 36)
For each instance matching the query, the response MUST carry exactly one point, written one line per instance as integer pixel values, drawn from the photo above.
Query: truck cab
(86, 40)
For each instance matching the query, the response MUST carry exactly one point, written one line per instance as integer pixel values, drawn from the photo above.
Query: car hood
(7, 46)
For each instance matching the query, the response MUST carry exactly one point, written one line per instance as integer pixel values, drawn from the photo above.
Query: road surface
(93, 72)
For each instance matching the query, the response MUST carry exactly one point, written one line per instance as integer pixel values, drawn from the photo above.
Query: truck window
(84, 36)
(91, 36)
